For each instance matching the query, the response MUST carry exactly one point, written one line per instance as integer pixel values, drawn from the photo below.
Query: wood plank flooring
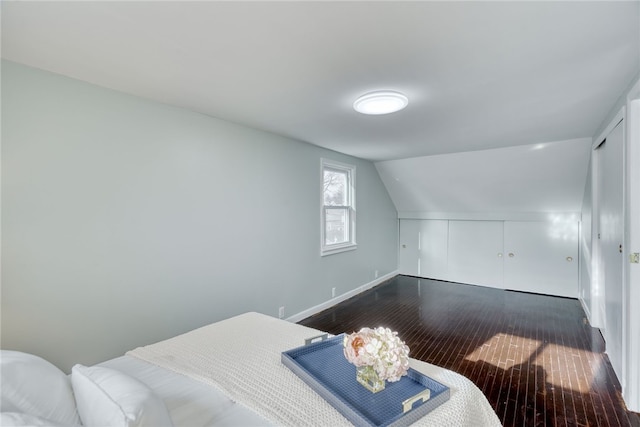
(535, 357)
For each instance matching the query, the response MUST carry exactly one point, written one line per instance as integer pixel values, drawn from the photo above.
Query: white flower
(380, 348)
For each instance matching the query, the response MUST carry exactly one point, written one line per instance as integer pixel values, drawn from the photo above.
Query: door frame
(631, 392)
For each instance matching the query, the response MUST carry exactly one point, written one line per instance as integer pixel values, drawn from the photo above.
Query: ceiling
(537, 181)
(478, 74)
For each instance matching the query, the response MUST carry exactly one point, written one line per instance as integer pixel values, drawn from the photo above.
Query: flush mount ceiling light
(380, 102)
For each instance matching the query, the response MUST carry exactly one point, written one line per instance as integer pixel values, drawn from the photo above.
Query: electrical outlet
(333, 292)
(634, 258)
(376, 274)
(281, 313)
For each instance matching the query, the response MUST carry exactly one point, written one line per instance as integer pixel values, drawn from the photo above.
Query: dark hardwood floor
(535, 357)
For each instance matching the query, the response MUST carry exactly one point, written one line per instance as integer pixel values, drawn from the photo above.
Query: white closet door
(409, 244)
(434, 235)
(475, 252)
(610, 240)
(541, 257)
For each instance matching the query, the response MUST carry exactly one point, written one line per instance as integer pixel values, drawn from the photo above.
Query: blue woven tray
(324, 368)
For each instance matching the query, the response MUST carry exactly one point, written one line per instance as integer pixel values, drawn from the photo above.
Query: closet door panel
(434, 235)
(475, 252)
(408, 256)
(610, 241)
(541, 257)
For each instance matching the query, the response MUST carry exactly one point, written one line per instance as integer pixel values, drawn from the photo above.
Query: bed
(230, 373)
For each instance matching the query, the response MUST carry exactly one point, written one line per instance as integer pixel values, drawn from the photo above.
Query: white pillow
(107, 397)
(16, 419)
(31, 385)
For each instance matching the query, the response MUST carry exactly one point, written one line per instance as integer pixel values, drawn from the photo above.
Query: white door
(434, 235)
(541, 257)
(475, 252)
(610, 231)
(409, 246)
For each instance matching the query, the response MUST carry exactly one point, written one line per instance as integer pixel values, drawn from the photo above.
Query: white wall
(126, 221)
(586, 255)
(630, 380)
(632, 348)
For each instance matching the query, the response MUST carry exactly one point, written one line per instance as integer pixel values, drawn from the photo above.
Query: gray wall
(126, 221)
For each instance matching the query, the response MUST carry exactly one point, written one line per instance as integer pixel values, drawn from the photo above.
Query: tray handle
(407, 405)
(317, 338)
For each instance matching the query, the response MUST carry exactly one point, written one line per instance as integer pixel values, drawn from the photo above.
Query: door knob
(511, 254)
(569, 259)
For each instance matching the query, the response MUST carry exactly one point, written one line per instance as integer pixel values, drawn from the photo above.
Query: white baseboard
(333, 301)
(586, 309)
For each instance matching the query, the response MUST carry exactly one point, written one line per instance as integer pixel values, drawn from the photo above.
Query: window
(338, 207)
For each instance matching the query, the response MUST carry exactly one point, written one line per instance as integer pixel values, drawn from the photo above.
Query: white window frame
(350, 208)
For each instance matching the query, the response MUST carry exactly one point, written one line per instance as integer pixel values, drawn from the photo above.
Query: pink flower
(380, 348)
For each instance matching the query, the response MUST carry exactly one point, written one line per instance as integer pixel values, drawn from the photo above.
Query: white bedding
(190, 403)
(230, 373)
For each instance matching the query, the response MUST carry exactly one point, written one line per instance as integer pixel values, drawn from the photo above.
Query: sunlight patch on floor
(508, 349)
(570, 375)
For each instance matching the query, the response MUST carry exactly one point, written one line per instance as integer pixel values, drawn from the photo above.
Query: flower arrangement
(379, 348)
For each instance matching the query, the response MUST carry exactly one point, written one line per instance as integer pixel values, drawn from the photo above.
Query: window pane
(338, 207)
(336, 226)
(335, 188)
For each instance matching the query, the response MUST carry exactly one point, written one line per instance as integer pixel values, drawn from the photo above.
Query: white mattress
(190, 403)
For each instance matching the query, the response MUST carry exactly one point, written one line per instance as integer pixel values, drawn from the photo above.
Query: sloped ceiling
(478, 74)
(530, 179)
(491, 84)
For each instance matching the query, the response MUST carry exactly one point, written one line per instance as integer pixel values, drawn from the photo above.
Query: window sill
(337, 250)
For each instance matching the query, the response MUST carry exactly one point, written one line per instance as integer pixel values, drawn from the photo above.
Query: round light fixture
(380, 102)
